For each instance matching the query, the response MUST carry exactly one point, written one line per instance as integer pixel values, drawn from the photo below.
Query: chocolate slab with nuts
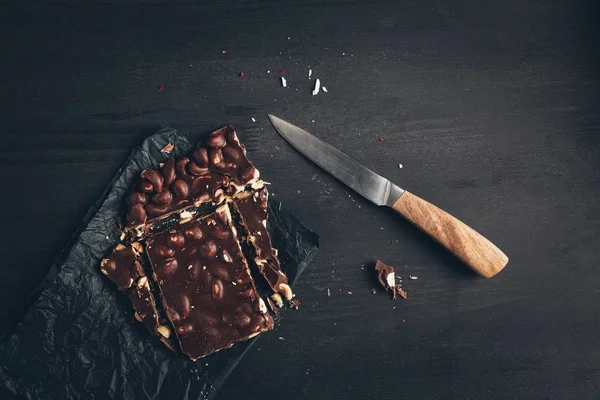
(206, 286)
(125, 267)
(253, 216)
(218, 168)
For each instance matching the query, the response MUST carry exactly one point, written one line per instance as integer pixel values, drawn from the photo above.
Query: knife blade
(472, 248)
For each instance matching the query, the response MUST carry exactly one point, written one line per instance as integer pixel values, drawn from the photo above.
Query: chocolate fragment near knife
(181, 262)
(477, 252)
(387, 278)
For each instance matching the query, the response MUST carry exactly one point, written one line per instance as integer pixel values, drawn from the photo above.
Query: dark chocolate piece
(144, 305)
(206, 286)
(219, 168)
(253, 216)
(227, 156)
(387, 279)
(123, 266)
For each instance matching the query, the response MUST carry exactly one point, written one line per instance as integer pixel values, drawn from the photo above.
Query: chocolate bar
(253, 214)
(125, 267)
(219, 168)
(206, 286)
(193, 283)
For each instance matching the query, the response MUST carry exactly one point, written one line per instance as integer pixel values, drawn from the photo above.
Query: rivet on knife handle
(481, 255)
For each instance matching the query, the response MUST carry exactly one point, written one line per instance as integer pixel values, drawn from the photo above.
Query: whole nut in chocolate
(185, 271)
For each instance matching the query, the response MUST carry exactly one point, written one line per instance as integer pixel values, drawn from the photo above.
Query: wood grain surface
(490, 107)
(477, 252)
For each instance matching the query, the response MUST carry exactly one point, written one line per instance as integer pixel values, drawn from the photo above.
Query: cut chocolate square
(206, 286)
(253, 213)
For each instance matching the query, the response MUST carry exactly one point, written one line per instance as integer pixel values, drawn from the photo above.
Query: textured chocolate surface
(144, 304)
(218, 168)
(253, 215)
(206, 286)
(123, 266)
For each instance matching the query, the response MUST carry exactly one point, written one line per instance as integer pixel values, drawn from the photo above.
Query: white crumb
(413, 277)
(317, 87)
(309, 73)
(268, 72)
(400, 166)
(192, 307)
(349, 292)
(253, 120)
(313, 120)
(233, 283)
(280, 338)
(190, 266)
(204, 268)
(324, 89)
(283, 82)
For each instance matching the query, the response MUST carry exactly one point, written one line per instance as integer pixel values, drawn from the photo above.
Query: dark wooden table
(491, 108)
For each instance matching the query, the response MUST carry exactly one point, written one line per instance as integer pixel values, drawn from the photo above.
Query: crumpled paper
(78, 339)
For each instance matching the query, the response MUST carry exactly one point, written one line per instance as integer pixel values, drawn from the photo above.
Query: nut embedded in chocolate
(196, 170)
(216, 140)
(180, 166)
(153, 177)
(168, 172)
(136, 215)
(146, 186)
(201, 156)
(162, 198)
(137, 198)
(180, 188)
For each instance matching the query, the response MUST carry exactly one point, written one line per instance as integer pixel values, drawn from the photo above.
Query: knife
(477, 252)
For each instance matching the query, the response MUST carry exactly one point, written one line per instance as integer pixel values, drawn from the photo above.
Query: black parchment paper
(78, 340)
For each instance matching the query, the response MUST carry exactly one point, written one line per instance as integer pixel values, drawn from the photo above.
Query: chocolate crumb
(294, 303)
(168, 148)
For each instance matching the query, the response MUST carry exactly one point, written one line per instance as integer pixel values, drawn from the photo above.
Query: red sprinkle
(381, 139)
(242, 74)
(223, 51)
(161, 88)
(282, 72)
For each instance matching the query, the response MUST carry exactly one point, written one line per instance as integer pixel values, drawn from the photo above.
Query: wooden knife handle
(481, 255)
